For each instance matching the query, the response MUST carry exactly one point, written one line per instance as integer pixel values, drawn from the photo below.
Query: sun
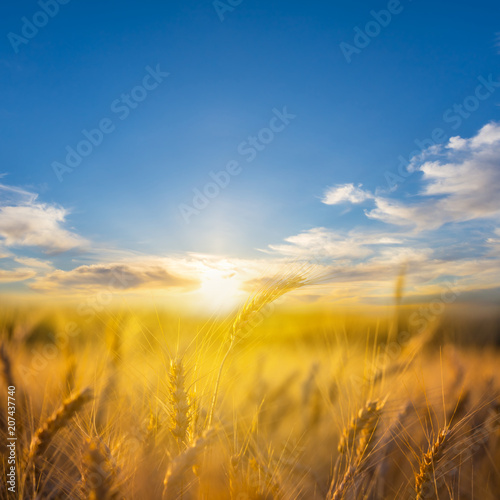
(220, 290)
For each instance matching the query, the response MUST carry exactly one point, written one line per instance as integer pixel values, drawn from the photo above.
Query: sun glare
(220, 290)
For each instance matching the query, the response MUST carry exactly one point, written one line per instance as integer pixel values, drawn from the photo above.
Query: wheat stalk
(7, 366)
(273, 289)
(174, 478)
(57, 421)
(389, 442)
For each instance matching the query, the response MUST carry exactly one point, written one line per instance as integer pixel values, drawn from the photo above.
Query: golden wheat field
(250, 250)
(266, 403)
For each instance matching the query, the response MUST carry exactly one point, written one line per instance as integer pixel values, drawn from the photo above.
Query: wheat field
(263, 403)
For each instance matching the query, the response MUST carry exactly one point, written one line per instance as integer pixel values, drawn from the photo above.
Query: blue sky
(227, 79)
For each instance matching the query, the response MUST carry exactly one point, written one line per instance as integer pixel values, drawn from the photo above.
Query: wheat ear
(57, 421)
(361, 427)
(99, 472)
(424, 479)
(275, 288)
(151, 432)
(340, 489)
(179, 401)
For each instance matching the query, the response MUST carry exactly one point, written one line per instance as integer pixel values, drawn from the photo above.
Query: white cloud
(487, 136)
(460, 183)
(26, 222)
(467, 180)
(345, 193)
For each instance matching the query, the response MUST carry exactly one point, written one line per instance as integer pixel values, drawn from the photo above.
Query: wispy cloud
(342, 193)
(321, 242)
(26, 222)
(14, 275)
(366, 275)
(120, 276)
(12, 195)
(34, 263)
